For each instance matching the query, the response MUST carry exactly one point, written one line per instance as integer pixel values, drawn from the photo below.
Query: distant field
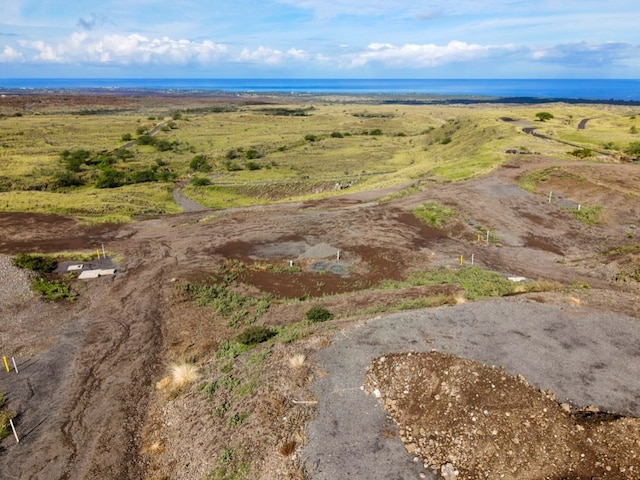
(70, 162)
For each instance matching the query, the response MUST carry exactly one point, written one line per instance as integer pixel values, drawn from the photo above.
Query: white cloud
(126, 49)
(426, 55)
(10, 54)
(271, 56)
(585, 54)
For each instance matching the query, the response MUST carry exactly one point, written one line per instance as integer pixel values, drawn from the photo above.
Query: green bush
(318, 314)
(337, 135)
(310, 137)
(52, 290)
(35, 262)
(110, 178)
(200, 181)
(255, 334)
(200, 163)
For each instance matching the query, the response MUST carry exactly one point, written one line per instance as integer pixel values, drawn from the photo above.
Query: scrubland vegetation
(114, 165)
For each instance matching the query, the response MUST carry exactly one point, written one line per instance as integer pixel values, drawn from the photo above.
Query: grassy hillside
(83, 164)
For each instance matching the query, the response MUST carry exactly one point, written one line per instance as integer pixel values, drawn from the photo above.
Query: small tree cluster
(544, 116)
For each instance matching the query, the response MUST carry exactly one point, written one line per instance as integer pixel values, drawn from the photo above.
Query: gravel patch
(15, 282)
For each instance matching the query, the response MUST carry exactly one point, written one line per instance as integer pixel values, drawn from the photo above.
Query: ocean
(590, 89)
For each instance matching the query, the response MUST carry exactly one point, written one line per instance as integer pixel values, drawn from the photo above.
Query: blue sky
(320, 38)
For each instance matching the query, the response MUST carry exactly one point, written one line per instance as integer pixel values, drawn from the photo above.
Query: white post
(290, 263)
(579, 206)
(15, 434)
(338, 256)
(472, 255)
(487, 236)
(550, 194)
(14, 364)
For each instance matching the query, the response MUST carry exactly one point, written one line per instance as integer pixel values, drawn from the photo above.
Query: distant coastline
(418, 91)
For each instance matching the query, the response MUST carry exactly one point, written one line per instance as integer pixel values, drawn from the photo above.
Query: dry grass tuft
(573, 301)
(287, 448)
(459, 298)
(183, 374)
(163, 383)
(297, 360)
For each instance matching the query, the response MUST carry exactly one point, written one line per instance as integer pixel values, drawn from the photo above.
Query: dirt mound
(470, 421)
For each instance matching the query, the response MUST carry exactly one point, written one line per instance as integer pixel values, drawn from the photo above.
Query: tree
(544, 116)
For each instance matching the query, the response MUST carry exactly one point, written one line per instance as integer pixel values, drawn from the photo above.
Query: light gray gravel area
(586, 357)
(14, 281)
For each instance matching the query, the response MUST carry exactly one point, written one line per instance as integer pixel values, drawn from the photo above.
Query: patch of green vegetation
(246, 388)
(475, 281)
(53, 290)
(293, 332)
(624, 250)
(209, 388)
(232, 465)
(529, 181)
(434, 214)
(255, 334)
(231, 349)
(35, 262)
(588, 215)
(318, 313)
(220, 295)
(237, 419)
(287, 112)
(582, 152)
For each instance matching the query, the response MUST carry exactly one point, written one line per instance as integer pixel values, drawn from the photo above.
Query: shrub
(318, 314)
(581, 153)
(143, 176)
(110, 178)
(253, 165)
(67, 179)
(35, 262)
(376, 132)
(255, 334)
(126, 137)
(336, 135)
(146, 140)
(52, 290)
(633, 149)
(200, 163)
(200, 181)
(73, 160)
(310, 137)
(252, 153)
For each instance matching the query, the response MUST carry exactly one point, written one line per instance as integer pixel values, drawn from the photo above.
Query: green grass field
(257, 154)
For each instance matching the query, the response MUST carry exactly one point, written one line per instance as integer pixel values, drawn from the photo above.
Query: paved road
(585, 357)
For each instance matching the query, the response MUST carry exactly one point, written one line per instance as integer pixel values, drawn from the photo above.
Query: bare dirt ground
(85, 398)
